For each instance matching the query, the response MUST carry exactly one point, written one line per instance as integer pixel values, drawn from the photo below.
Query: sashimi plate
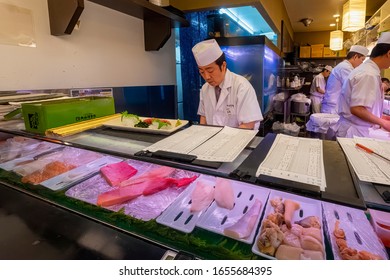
(216, 218)
(118, 124)
(308, 207)
(178, 215)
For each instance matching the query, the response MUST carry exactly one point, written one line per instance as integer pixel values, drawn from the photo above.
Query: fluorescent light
(237, 19)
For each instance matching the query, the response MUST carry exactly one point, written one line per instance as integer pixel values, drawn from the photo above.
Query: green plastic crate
(43, 115)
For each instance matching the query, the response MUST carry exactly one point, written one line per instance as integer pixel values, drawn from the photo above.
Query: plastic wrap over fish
(18, 146)
(353, 227)
(143, 207)
(68, 155)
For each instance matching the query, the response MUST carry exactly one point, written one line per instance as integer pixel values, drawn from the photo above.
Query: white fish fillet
(201, 196)
(244, 226)
(224, 193)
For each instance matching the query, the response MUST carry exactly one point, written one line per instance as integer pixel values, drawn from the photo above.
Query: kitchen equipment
(300, 104)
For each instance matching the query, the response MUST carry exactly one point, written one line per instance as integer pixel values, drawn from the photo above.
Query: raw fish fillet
(148, 187)
(244, 226)
(201, 196)
(159, 172)
(168, 182)
(224, 193)
(50, 170)
(117, 172)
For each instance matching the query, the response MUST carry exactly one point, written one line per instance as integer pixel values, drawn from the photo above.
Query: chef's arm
(203, 120)
(249, 125)
(362, 113)
(320, 90)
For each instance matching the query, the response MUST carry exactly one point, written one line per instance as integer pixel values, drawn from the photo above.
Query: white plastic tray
(309, 207)
(178, 214)
(117, 124)
(73, 176)
(216, 218)
(359, 233)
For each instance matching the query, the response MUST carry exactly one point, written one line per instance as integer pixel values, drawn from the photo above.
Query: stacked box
(39, 116)
(304, 52)
(317, 50)
(329, 53)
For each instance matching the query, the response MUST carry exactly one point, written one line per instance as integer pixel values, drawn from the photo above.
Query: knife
(41, 155)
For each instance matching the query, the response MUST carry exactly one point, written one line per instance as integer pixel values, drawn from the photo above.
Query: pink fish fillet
(244, 226)
(224, 193)
(168, 183)
(159, 172)
(117, 172)
(124, 194)
(202, 196)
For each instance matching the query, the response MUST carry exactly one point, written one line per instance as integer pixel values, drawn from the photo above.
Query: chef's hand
(386, 124)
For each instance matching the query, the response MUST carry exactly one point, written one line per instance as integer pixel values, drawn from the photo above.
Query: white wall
(107, 51)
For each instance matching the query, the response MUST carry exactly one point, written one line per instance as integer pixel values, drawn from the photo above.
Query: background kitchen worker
(355, 57)
(317, 89)
(385, 85)
(226, 98)
(361, 99)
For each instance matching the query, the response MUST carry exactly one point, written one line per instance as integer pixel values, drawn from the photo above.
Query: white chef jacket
(237, 103)
(333, 87)
(318, 81)
(361, 88)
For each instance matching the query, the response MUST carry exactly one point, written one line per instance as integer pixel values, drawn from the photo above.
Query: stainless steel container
(300, 107)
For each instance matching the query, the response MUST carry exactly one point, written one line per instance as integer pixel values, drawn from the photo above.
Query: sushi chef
(226, 99)
(361, 99)
(317, 89)
(355, 57)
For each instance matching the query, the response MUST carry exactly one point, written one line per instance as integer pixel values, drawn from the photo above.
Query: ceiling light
(306, 21)
(354, 15)
(336, 38)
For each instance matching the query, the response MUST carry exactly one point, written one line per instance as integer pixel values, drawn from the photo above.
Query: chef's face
(213, 74)
(357, 60)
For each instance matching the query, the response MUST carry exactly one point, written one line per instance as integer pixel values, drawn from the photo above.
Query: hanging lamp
(336, 38)
(354, 15)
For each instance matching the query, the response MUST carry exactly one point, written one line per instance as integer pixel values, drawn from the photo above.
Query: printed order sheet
(368, 167)
(207, 143)
(295, 159)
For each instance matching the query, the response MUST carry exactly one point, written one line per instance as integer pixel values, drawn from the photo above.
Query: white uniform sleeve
(201, 110)
(248, 109)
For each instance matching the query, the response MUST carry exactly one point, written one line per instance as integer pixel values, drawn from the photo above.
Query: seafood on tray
(133, 120)
(351, 235)
(143, 193)
(286, 235)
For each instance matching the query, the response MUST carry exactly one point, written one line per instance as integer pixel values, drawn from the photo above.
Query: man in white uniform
(355, 57)
(361, 100)
(226, 99)
(317, 89)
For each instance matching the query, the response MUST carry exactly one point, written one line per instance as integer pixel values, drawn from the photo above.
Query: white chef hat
(384, 38)
(359, 49)
(329, 68)
(206, 52)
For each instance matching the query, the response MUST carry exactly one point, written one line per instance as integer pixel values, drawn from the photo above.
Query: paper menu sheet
(207, 143)
(295, 159)
(368, 167)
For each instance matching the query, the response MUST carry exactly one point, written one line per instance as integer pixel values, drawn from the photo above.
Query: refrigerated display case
(85, 229)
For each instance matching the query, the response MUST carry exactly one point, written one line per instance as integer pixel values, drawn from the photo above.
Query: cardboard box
(329, 53)
(40, 116)
(317, 50)
(304, 52)
(343, 53)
